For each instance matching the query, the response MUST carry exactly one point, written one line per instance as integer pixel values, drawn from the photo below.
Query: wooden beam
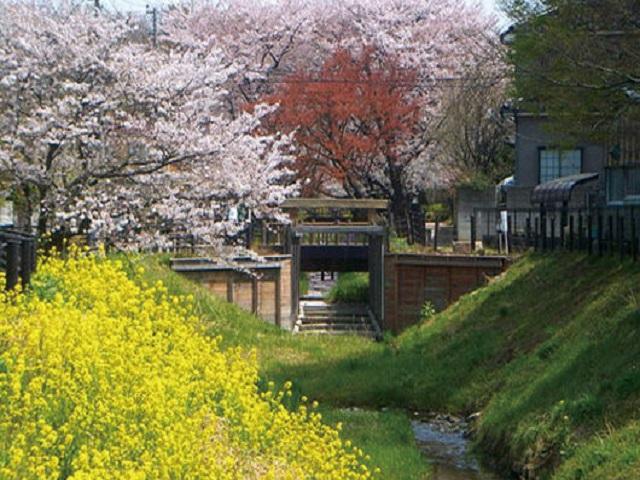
(334, 229)
(254, 295)
(338, 203)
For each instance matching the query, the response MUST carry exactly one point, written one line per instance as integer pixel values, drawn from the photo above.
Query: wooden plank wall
(411, 280)
(268, 296)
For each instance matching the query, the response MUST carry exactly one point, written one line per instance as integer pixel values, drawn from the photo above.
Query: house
(553, 170)
(543, 157)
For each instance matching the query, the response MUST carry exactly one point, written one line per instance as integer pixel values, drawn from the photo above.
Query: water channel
(443, 441)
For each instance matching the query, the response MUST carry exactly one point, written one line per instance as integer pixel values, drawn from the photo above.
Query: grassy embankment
(385, 436)
(549, 353)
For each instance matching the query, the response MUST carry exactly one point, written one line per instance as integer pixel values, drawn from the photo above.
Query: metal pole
(154, 23)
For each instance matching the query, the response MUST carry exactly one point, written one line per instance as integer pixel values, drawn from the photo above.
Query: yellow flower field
(101, 378)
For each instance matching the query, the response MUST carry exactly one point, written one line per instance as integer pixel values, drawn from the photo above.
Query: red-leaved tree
(357, 126)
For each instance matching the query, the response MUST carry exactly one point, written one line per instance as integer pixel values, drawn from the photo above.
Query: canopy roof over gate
(343, 215)
(339, 203)
(559, 189)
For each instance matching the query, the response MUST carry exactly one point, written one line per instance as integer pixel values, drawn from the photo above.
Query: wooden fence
(261, 287)
(613, 230)
(411, 280)
(17, 257)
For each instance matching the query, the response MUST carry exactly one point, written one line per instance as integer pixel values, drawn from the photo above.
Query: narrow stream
(442, 440)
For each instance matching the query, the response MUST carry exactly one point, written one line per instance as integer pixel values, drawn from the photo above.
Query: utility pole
(154, 23)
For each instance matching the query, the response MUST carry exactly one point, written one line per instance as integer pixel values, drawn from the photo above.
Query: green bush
(351, 287)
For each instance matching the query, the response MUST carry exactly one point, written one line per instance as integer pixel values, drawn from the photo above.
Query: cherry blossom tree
(99, 127)
(356, 124)
(443, 42)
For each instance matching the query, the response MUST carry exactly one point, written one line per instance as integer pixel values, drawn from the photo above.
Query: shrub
(350, 287)
(102, 378)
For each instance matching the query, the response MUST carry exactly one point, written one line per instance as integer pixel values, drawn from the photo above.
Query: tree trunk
(399, 205)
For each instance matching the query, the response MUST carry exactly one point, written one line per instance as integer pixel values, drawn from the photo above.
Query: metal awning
(559, 189)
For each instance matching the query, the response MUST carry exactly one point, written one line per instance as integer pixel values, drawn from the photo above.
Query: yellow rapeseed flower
(101, 378)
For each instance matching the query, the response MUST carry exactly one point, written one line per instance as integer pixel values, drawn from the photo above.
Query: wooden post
(536, 240)
(488, 230)
(590, 234)
(600, 235)
(25, 262)
(34, 255)
(543, 226)
(553, 232)
(634, 236)
(507, 235)
(295, 275)
(278, 298)
(562, 224)
(620, 233)
(264, 230)
(580, 230)
(13, 253)
(435, 235)
(610, 235)
(254, 294)
(472, 227)
(571, 219)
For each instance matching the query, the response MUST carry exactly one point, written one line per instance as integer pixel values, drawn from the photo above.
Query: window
(559, 163)
(623, 184)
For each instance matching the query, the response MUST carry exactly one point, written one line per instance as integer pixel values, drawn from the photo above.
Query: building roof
(338, 203)
(559, 189)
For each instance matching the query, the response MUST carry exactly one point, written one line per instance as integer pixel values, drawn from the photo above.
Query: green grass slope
(549, 353)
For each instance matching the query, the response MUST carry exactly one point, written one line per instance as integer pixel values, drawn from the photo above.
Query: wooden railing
(17, 256)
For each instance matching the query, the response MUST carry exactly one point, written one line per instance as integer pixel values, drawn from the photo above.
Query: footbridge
(338, 235)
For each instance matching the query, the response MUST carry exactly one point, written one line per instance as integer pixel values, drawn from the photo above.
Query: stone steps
(319, 318)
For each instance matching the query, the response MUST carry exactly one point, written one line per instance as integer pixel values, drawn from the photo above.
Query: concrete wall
(412, 280)
(466, 200)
